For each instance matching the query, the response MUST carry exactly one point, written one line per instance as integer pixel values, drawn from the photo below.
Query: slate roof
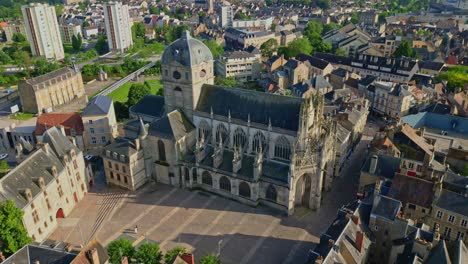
(412, 190)
(29, 254)
(64, 72)
(432, 65)
(340, 72)
(187, 51)
(437, 121)
(174, 125)
(81, 258)
(68, 120)
(150, 105)
(282, 111)
(439, 254)
(98, 105)
(387, 207)
(386, 166)
(455, 183)
(238, 55)
(409, 132)
(122, 146)
(58, 142)
(452, 201)
(314, 61)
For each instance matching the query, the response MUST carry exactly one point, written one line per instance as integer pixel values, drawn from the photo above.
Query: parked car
(3, 156)
(88, 157)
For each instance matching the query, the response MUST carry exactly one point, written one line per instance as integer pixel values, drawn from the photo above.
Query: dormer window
(115, 155)
(108, 153)
(26, 193)
(122, 158)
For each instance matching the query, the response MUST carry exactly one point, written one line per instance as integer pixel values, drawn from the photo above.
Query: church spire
(142, 133)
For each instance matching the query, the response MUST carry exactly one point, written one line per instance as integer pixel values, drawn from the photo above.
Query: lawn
(121, 94)
(22, 116)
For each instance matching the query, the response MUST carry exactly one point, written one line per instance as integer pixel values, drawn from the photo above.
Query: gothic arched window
(282, 148)
(240, 138)
(259, 140)
(206, 178)
(179, 97)
(225, 184)
(204, 128)
(221, 132)
(161, 150)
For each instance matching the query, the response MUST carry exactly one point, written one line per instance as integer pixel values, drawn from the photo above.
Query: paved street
(206, 223)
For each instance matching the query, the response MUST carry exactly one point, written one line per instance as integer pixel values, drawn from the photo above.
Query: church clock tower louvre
(186, 65)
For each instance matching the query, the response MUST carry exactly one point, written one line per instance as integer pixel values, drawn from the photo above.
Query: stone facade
(48, 91)
(47, 184)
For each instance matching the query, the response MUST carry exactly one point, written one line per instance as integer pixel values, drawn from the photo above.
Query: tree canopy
(296, 47)
(148, 253)
(77, 42)
(228, 82)
(268, 47)
(13, 235)
(136, 93)
(214, 47)
(102, 47)
(210, 259)
(456, 77)
(173, 253)
(404, 50)
(120, 248)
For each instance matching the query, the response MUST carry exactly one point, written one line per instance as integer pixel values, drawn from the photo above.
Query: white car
(3, 156)
(88, 157)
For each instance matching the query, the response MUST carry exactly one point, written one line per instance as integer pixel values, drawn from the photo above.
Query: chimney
(93, 256)
(355, 219)
(124, 260)
(373, 164)
(319, 260)
(137, 143)
(359, 240)
(73, 141)
(62, 129)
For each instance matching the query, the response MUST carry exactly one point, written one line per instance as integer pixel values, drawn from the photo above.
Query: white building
(67, 31)
(118, 26)
(226, 16)
(42, 31)
(241, 65)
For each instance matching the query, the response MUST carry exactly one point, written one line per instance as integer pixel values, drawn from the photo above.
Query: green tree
(241, 16)
(4, 167)
(214, 47)
(174, 33)
(120, 248)
(148, 253)
(77, 42)
(404, 50)
(42, 66)
(456, 77)
(5, 58)
(136, 92)
(228, 82)
(324, 4)
(13, 235)
(23, 59)
(101, 45)
(329, 27)
(273, 27)
(340, 52)
(173, 253)
(18, 37)
(296, 47)
(268, 47)
(155, 10)
(4, 38)
(210, 259)
(355, 18)
(313, 27)
(85, 24)
(58, 9)
(138, 30)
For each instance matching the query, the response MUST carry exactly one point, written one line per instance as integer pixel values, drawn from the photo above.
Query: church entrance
(303, 188)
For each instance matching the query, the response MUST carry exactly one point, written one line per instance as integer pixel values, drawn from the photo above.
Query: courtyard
(205, 223)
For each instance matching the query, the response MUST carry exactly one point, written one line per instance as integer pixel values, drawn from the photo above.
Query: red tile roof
(188, 258)
(68, 120)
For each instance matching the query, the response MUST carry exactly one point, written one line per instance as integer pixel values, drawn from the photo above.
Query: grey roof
(455, 182)
(314, 61)
(173, 126)
(99, 105)
(454, 202)
(29, 254)
(439, 254)
(340, 72)
(432, 65)
(386, 207)
(150, 105)
(282, 111)
(240, 54)
(39, 164)
(386, 166)
(412, 190)
(186, 51)
(122, 146)
(64, 72)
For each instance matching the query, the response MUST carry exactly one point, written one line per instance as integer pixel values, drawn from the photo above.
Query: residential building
(258, 23)
(14, 134)
(70, 124)
(47, 184)
(42, 31)
(241, 65)
(67, 31)
(99, 121)
(377, 168)
(241, 39)
(387, 44)
(296, 71)
(369, 18)
(118, 26)
(317, 84)
(12, 28)
(392, 100)
(274, 63)
(46, 92)
(316, 65)
(226, 15)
